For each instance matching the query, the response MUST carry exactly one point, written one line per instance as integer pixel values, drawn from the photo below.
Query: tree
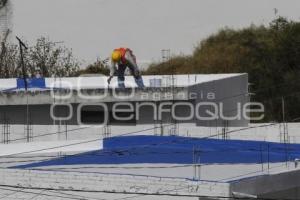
(98, 67)
(9, 61)
(269, 54)
(45, 56)
(51, 60)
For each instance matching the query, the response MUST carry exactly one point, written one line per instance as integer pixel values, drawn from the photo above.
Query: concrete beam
(93, 96)
(133, 184)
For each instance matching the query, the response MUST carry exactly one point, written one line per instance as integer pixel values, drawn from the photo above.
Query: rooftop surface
(174, 156)
(101, 81)
(153, 164)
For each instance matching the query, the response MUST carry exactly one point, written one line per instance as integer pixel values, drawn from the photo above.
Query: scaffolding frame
(5, 130)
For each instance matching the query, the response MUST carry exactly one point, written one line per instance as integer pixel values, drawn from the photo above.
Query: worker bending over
(122, 58)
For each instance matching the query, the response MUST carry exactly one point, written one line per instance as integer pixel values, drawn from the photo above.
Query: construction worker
(122, 58)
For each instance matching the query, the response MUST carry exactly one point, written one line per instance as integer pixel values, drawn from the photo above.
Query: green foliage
(96, 68)
(51, 59)
(178, 64)
(270, 55)
(45, 57)
(3, 3)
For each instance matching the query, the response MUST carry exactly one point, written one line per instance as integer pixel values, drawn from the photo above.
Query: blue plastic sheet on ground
(179, 150)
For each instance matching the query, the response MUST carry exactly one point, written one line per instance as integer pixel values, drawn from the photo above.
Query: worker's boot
(121, 82)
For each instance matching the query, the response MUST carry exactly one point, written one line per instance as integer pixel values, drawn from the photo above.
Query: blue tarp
(179, 150)
(31, 83)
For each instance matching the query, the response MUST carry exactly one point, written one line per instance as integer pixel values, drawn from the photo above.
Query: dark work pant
(121, 71)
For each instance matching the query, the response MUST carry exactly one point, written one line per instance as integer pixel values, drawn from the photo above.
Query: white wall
(267, 133)
(108, 182)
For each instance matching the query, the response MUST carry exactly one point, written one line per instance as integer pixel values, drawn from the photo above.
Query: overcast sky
(93, 28)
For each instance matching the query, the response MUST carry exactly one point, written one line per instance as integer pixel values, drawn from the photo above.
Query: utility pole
(22, 45)
(285, 131)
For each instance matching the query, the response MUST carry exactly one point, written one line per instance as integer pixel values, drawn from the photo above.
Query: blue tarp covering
(179, 150)
(31, 83)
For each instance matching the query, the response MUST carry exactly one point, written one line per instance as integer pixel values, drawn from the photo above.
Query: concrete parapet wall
(110, 183)
(266, 184)
(36, 97)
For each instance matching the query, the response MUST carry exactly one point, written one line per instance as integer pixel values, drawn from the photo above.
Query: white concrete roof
(50, 147)
(211, 172)
(101, 81)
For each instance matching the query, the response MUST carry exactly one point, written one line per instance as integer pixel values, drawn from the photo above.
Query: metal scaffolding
(5, 130)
